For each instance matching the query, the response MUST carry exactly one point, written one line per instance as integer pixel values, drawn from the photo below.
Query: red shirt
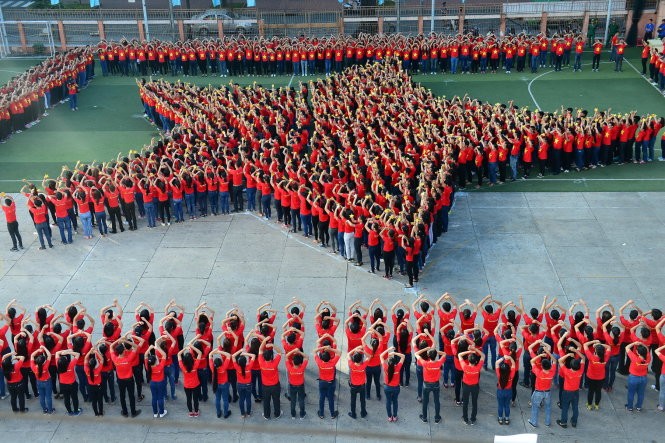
(222, 374)
(10, 212)
(595, 369)
(296, 374)
(97, 372)
(269, 370)
(571, 379)
(243, 379)
(431, 370)
(638, 366)
(123, 364)
(357, 375)
(39, 214)
(191, 378)
(394, 382)
(327, 369)
(543, 378)
(471, 372)
(157, 371)
(69, 376)
(45, 374)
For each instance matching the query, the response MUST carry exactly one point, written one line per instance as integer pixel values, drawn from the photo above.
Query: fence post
(543, 23)
(63, 37)
(262, 30)
(379, 26)
(585, 23)
(21, 34)
(220, 29)
(420, 25)
(181, 30)
(460, 23)
(102, 32)
(502, 24)
(340, 24)
(139, 23)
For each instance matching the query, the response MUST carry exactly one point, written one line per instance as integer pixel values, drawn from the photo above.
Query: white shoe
(155, 415)
(163, 414)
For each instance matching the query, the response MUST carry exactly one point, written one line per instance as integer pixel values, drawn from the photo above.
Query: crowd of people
(25, 99)
(431, 54)
(556, 352)
(365, 162)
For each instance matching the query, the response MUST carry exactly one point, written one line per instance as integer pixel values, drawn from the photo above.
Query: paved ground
(569, 245)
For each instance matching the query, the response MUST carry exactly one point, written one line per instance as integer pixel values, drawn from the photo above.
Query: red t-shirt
(157, 371)
(394, 382)
(222, 374)
(270, 370)
(191, 378)
(357, 374)
(296, 374)
(571, 379)
(243, 379)
(595, 369)
(123, 364)
(431, 370)
(69, 376)
(327, 369)
(45, 374)
(10, 212)
(543, 378)
(471, 372)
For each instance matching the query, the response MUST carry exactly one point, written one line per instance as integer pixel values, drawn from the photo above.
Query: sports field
(111, 120)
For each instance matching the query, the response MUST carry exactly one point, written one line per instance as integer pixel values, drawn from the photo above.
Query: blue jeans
(430, 388)
(45, 390)
(73, 101)
(177, 210)
(661, 394)
(189, 202)
(579, 158)
(449, 369)
(44, 231)
(493, 169)
(257, 385)
(490, 345)
(306, 223)
(101, 223)
(138, 198)
(151, 213)
(503, 397)
(419, 378)
(202, 202)
(224, 202)
(536, 398)
(392, 393)
(245, 393)
(83, 382)
(453, 65)
(251, 199)
(158, 391)
(213, 196)
(65, 224)
(636, 385)
(327, 392)
(108, 386)
(340, 243)
(578, 61)
(611, 370)
(570, 399)
(169, 376)
(513, 166)
(222, 394)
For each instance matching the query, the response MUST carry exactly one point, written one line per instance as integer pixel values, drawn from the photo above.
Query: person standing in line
(9, 208)
(470, 382)
(39, 211)
(640, 359)
(391, 362)
(572, 377)
(93, 366)
(296, 363)
(66, 364)
(326, 359)
(506, 370)
(11, 366)
(596, 372)
(123, 358)
(242, 361)
(156, 361)
(431, 375)
(189, 360)
(541, 366)
(358, 359)
(40, 361)
(269, 358)
(72, 91)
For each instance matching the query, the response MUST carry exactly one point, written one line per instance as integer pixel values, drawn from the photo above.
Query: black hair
(504, 374)
(392, 361)
(325, 356)
(242, 362)
(546, 363)
(188, 361)
(357, 357)
(7, 368)
(268, 354)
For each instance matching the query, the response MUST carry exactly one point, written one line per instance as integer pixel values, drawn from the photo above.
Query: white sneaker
(163, 414)
(155, 415)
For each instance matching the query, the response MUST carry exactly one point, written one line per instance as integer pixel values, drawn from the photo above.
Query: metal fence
(27, 27)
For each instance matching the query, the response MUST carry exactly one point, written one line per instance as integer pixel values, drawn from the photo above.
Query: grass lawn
(111, 120)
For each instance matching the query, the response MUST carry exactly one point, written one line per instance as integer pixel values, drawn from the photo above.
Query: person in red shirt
(93, 366)
(269, 358)
(618, 60)
(596, 370)
(392, 365)
(66, 364)
(491, 313)
(326, 359)
(123, 352)
(219, 363)
(296, 363)
(660, 355)
(357, 361)
(40, 361)
(572, 376)
(9, 208)
(156, 361)
(640, 358)
(39, 212)
(389, 241)
(431, 368)
(242, 362)
(544, 373)
(189, 360)
(11, 366)
(470, 382)
(506, 370)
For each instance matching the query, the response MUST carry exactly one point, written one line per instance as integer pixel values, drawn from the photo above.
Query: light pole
(607, 21)
(145, 20)
(4, 50)
(431, 25)
(399, 18)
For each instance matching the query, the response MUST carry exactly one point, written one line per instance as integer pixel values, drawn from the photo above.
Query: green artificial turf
(110, 119)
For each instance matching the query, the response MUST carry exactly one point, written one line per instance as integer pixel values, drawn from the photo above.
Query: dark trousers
(355, 390)
(70, 392)
(434, 389)
(595, 391)
(297, 394)
(96, 397)
(470, 392)
(114, 215)
(192, 395)
(271, 395)
(127, 387)
(12, 228)
(327, 392)
(373, 373)
(130, 214)
(17, 396)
